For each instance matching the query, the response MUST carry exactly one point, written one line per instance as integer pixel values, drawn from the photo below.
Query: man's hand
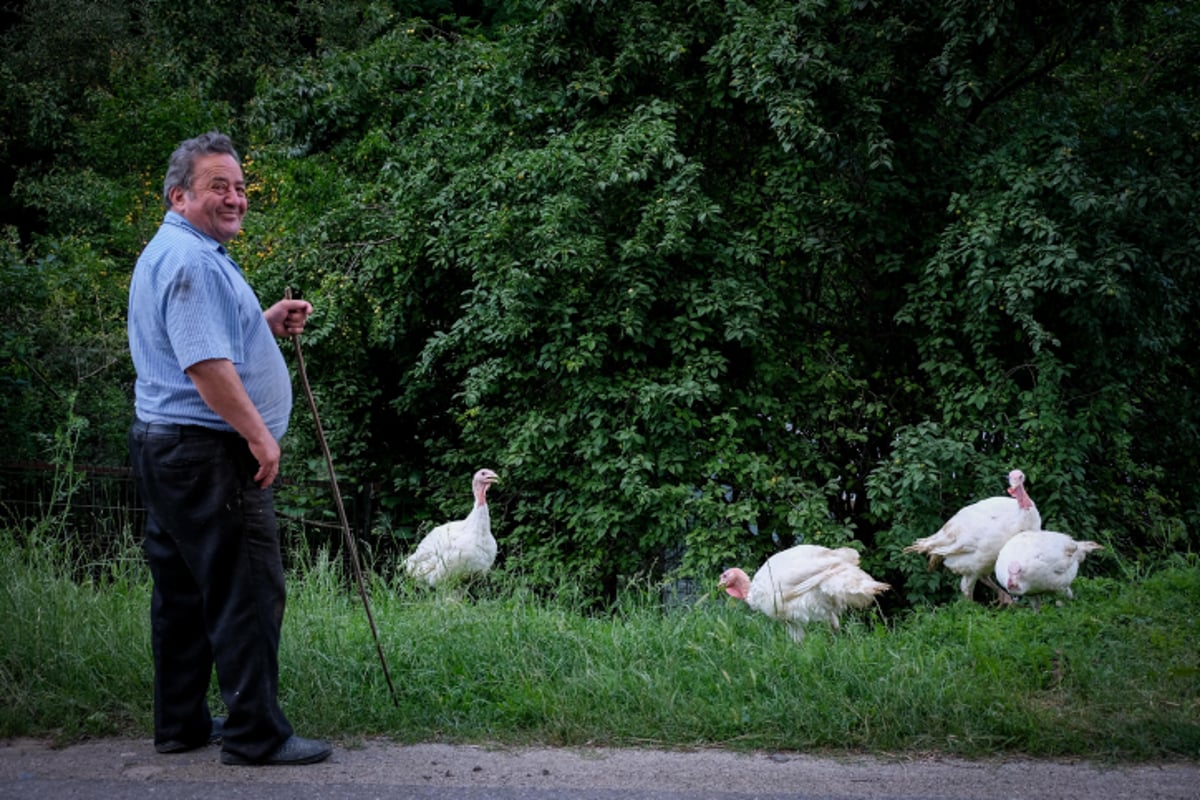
(266, 450)
(288, 317)
(222, 389)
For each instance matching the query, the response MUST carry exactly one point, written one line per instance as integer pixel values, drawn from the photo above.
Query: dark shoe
(175, 746)
(295, 751)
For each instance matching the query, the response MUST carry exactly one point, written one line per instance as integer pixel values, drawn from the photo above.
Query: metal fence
(90, 500)
(97, 509)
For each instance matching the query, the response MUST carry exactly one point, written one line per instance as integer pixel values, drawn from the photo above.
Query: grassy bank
(1114, 674)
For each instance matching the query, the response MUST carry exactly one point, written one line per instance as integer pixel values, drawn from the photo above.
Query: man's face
(216, 201)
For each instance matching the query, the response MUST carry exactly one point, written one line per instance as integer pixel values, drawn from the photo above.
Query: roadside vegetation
(1112, 675)
(696, 279)
(699, 281)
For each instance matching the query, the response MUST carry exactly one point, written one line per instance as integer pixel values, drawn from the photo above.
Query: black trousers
(213, 548)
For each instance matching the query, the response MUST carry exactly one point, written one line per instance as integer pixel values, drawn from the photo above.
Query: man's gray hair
(179, 168)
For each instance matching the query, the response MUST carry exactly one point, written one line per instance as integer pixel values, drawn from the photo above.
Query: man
(212, 400)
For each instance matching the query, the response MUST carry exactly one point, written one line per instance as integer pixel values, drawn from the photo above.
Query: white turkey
(461, 548)
(970, 541)
(803, 584)
(1041, 562)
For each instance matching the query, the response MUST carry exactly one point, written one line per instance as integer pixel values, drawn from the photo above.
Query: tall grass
(74, 640)
(1113, 674)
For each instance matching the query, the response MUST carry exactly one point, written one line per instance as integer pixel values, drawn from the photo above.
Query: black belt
(171, 429)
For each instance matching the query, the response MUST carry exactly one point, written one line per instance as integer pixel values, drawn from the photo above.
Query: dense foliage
(698, 279)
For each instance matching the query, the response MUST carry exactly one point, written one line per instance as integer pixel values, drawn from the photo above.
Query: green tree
(62, 350)
(1052, 326)
(699, 279)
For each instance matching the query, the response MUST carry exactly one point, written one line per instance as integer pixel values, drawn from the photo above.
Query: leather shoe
(176, 746)
(294, 751)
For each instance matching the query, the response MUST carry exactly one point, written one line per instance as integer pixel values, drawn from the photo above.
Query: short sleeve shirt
(189, 302)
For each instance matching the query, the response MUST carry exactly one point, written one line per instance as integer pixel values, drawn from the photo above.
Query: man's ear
(176, 195)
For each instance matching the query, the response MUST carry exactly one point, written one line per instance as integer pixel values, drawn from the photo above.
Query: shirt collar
(180, 221)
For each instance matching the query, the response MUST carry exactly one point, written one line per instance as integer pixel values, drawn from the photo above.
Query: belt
(171, 429)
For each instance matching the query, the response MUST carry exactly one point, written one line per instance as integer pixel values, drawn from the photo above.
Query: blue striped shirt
(189, 302)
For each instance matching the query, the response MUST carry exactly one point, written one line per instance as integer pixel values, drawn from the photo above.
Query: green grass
(1114, 674)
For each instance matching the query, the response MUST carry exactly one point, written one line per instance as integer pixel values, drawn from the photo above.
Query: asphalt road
(122, 769)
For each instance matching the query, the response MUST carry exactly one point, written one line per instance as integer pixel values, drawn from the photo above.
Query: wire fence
(91, 501)
(97, 511)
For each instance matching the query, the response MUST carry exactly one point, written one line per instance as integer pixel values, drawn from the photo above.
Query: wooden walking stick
(347, 536)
